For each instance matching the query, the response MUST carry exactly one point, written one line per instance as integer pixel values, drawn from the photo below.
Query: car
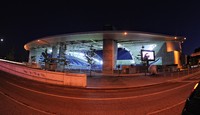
(192, 104)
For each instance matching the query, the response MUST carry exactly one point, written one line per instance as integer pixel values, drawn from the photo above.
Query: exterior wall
(36, 53)
(32, 53)
(167, 57)
(170, 53)
(177, 59)
(68, 79)
(173, 46)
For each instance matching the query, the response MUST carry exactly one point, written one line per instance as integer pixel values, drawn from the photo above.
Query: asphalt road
(19, 96)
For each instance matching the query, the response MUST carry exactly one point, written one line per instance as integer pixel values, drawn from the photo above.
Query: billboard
(147, 55)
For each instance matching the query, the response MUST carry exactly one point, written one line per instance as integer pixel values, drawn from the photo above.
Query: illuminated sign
(147, 55)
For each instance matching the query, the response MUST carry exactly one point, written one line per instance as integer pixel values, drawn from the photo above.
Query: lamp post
(1, 40)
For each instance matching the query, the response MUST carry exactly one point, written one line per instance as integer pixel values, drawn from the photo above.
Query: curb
(146, 85)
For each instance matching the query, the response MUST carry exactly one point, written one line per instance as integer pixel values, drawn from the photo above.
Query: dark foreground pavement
(21, 96)
(108, 81)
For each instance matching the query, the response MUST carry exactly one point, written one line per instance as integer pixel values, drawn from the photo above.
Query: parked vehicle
(192, 104)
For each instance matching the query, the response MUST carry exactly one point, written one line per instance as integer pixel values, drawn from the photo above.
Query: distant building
(195, 54)
(195, 58)
(112, 48)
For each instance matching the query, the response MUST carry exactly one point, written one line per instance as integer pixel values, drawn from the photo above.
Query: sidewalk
(100, 81)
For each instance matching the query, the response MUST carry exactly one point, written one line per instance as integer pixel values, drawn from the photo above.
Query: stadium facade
(109, 49)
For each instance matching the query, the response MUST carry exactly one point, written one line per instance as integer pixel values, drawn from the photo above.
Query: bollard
(178, 73)
(188, 69)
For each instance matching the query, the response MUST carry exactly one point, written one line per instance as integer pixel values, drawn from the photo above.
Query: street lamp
(1, 39)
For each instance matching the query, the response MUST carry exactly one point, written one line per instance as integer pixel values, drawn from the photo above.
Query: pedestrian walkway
(110, 81)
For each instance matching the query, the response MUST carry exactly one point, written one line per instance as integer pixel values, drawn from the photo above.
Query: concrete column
(55, 51)
(62, 49)
(61, 65)
(109, 55)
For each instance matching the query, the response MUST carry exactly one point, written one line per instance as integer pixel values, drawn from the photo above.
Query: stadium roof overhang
(86, 39)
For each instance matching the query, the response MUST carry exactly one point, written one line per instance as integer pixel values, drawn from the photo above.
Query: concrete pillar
(55, 51)
(62, 58)
(62, 49)
(109, 55)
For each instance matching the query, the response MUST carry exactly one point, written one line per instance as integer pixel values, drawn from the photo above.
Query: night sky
(22, 22)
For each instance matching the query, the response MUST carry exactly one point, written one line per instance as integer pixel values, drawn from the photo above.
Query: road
(21, 97)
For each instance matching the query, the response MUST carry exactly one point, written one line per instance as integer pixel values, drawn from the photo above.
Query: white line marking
(167, 108)
(188, 81)
(79, 98)
(33, 108)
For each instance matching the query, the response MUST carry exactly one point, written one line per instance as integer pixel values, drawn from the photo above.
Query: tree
(197, 50)
(90, 57)
(194, 60)
(10, 55)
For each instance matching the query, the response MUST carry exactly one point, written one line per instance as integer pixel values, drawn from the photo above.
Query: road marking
(21, 103)
(101, 99)
(195, 77)
(186, 81)
(167, 108)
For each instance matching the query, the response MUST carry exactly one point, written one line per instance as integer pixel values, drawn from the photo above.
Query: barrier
(59, 78)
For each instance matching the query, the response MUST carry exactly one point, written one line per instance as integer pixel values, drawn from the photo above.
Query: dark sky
(21, 22)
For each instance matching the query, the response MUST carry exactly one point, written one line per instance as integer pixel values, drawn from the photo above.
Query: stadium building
(105, 51)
